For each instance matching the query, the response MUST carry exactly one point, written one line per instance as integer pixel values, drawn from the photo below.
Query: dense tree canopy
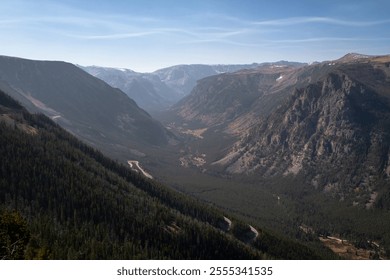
(60, 199)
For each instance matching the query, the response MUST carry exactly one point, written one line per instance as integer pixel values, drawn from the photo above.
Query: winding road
(255, 232)
(229, 223)
(138, 168)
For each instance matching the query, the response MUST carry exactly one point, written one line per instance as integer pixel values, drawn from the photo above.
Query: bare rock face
(335, 131)
(328, 123)
(234, 100)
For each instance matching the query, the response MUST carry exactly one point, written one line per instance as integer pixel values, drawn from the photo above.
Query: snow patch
(359, 56)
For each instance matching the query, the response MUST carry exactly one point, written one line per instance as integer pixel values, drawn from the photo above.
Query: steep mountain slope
(237, 100)
(222, 107)
(182, 78)
(222, 99)
(147, 90)
(60, 199)
(329, 122)
(83, 104)
(157, 91)
(335, 130)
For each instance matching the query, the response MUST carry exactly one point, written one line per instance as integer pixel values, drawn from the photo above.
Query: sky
(146, 35)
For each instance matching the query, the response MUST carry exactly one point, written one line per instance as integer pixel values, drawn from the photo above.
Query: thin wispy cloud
(114, 36)
(197, 34)
(327, 39)
(224, 42)
(121, 27)
(69, 21)
(145, 32)
(324, 20)
(208, 33)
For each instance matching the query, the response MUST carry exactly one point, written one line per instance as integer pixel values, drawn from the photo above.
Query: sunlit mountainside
(270, 160)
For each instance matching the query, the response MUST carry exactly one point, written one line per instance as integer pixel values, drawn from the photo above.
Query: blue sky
(146, 35)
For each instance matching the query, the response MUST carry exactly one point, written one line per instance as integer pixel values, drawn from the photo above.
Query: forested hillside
(60, 199)
(100, 115)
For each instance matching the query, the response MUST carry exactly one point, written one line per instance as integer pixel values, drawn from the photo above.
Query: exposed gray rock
(335, 131)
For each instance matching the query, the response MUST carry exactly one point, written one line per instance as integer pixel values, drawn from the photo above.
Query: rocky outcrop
(230, 99)
(336, 132)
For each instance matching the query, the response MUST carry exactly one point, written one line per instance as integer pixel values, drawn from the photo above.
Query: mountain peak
(349, 57)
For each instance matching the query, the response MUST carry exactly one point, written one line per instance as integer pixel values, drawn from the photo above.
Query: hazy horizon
(148, 35)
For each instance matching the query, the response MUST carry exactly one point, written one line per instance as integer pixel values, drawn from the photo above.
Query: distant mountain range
(147, 90)
(158, 90)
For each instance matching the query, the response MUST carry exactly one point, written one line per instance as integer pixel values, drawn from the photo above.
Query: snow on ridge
(357, 56)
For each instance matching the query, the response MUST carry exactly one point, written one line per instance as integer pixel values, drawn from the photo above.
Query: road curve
(137, 167)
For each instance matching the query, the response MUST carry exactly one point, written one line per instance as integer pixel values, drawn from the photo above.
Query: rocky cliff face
(335, 131)
(231, 99)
